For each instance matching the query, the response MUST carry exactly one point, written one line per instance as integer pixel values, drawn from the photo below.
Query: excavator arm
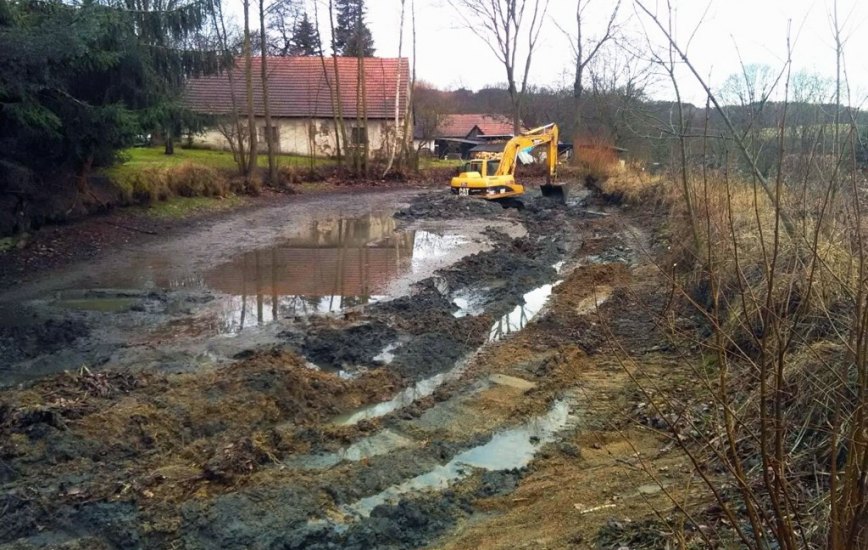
(547, 134)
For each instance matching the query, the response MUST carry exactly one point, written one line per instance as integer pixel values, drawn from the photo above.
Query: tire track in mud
(300, 475)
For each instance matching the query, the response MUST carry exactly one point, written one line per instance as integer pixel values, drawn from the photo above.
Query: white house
(306, 94)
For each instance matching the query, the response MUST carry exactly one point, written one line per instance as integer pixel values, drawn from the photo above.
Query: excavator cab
(479, 178)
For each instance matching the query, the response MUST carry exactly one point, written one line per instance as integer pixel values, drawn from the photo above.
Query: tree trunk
(269, 131)
(170, 143)
(397, 143)
(236, 136)
(248, 76)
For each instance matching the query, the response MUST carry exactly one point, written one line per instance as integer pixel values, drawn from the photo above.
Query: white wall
(299, 136)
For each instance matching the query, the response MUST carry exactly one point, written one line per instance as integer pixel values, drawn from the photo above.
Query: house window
(359, 136)
(275, 134)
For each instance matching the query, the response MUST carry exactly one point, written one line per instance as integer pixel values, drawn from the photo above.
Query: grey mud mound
(31, 336)
(340, 349)
(440, 205)
(429, 354)
(408, 524)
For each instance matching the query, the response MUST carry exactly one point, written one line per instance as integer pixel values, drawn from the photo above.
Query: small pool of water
(507, 450)
(337, 264)
(381, 443)
(406, 397)
(532, 303)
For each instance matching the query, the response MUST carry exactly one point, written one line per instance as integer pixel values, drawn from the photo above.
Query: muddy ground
(480, 394)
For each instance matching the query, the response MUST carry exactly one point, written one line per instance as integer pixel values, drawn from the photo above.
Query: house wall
(298, 136)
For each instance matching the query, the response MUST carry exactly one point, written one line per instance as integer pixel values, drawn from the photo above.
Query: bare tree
(231, 128)
(617, 78)
(408, 113)
(269, 129)
(334, 89)
(585, 50)
(500, 24)
(248, 78)
(283, 16)
(397, 92)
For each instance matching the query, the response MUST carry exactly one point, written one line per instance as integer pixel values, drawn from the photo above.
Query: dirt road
(378, 371)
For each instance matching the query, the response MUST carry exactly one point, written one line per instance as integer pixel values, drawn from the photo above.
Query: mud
(344, 349)
(383, 423)
(25, 335)
(445, 207)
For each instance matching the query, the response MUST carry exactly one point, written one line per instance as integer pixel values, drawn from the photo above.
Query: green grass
(137, 158)
(182, 207)
(434, 162)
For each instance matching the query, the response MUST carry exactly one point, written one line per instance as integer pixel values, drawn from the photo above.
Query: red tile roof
(459, 126)
(299, 87)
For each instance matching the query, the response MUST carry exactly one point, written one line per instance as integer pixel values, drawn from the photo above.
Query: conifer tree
(352, 36)
(305, 38)
(79, 81)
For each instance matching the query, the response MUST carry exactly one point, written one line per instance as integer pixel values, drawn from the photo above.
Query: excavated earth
(480, 400)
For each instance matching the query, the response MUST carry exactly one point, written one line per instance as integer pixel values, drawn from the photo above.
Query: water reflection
(522, 314)
(336, 264)
(404, 398)
(507, 450)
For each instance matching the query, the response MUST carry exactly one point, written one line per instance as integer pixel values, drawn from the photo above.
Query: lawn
(434, 162)
(137, 158)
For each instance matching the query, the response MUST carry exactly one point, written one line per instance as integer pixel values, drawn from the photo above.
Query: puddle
(470, 302)
(408, 396)
(378, 444)
(327, 265)
(518, 318)
(507, 450)
(338, 264)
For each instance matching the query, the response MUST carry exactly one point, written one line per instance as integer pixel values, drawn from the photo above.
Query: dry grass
(196, 180)
(631, 186)
(779, 301)
(290, 174)
(597, 158)
(736, 226)
(152, 184)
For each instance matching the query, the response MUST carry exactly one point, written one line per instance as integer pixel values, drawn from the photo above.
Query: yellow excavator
(494, 179)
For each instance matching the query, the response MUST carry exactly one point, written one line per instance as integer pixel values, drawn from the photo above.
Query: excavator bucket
(554, 191)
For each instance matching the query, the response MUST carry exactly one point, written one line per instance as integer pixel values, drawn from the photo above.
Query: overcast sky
(451, 56)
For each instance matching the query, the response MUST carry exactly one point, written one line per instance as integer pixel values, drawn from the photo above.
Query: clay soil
(257, 452)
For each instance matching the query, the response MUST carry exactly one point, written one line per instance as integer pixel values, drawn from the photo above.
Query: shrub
(597, 157)
(289, 174)
(195, 180)
(147, 186)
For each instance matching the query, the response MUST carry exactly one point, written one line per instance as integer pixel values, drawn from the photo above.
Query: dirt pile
(121, 437)
(344, 348)
(440, 206)
(29, 336)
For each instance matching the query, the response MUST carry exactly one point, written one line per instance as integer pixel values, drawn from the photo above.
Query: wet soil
(394, 422)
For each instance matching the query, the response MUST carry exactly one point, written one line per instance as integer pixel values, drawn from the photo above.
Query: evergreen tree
(55, 60)
(79, 81)
(305, 38)
(352, 36)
